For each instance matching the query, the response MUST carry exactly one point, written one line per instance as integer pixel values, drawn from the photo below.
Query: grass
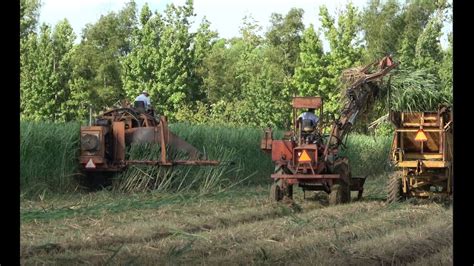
(368, 155)
(48, 156)
(417, 91)
(238, 227)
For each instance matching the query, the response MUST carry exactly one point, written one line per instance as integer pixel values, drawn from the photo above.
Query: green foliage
(312, 68)
(346, 51)
(97, 70)
(245, 81)
(368, 155)
(285, 35)
(382, 24)
(48, 156)
(160, 61)
(45, 71)
(261, 77)
(416, 15)
(202, 42)
(428, 52)
(220, 71)
(446, 69)
(418, 90)
(29, 13)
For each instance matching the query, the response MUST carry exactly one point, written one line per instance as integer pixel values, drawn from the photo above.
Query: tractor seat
(307, 125)
(139, 106)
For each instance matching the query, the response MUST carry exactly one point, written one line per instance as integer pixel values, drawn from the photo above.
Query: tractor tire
(95, 181)
(341, 191)
(395, 189)
(283, 192)
(289, 191)
(276, 193)
(340, 194)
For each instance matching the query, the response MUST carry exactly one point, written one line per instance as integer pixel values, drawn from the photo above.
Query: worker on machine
(308, 124)
(143, 103)
(143, 97)
(308, 120)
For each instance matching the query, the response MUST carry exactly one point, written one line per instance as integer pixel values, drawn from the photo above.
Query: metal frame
(421, 169)
(126, 126)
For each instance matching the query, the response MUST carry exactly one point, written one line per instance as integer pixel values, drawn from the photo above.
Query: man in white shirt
(309, 115)
(144, 98)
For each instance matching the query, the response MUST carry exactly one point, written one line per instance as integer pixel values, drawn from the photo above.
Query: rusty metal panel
(140, 135)
(118, 129)
(99, 132)
(307, 102)
(306, 176)
(96, 159)
(282, 150)
(266, 142)
(171, 163)
(432, 145)
(177, 143)
(425, 163)
(417, 119)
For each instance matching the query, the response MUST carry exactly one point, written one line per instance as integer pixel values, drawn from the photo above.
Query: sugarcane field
(239, 133)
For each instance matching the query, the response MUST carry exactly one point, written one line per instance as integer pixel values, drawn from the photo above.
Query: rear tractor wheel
(341, 191)
(395, 188)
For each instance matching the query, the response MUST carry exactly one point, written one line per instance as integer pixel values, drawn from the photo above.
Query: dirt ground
(238, 227)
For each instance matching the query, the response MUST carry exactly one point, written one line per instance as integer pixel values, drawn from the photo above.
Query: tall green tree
(383, 24)
(346, 50)
(202, 43)
(45, 74)
(265, 100)
(312, 68)
(285, 34)
(428, 51)
(446, 68)
(29, 14)
(415, 15)
(161, 59)
(220, 65)
(97, 68)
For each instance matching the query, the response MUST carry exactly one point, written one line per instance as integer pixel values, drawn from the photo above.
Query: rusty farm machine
(422, 150)
(306, 158)
(104, 143)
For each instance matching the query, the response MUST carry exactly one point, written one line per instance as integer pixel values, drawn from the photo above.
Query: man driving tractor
(308, 120)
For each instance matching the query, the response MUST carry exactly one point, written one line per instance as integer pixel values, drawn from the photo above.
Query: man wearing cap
(144, 98)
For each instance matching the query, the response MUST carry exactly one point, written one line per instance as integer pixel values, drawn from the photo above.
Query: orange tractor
(310, 160)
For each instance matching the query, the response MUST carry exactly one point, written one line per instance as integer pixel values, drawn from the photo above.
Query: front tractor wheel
(276, 192)
(340, 193)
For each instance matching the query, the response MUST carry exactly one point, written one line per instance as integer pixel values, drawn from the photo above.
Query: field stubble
(238, 227)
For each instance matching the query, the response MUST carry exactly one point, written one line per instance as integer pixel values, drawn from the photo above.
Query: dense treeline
(196, 76)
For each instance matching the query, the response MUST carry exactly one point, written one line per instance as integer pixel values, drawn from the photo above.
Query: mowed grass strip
(134, 225)
(240, 233)
(239, 229)
(285, 240)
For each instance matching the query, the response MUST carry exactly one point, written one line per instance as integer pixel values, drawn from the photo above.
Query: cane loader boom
(304, 158)
(357, 98)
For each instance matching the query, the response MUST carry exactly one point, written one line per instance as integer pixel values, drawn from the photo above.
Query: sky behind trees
(225, 16)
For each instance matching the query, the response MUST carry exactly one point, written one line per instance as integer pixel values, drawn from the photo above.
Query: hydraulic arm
(363, 87)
